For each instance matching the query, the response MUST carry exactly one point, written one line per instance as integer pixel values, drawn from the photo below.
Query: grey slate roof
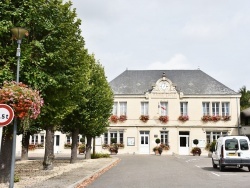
(190, 82)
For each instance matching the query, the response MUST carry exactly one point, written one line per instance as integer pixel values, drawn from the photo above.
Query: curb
(89, 179)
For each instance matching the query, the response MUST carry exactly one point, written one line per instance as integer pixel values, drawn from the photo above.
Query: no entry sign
(6, 115)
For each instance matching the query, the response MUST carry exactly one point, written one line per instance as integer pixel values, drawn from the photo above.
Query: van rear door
(244, 151)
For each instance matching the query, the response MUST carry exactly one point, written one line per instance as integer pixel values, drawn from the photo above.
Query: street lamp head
(19, 32)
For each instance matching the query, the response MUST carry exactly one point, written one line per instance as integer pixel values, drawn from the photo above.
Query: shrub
(113, 140)
(100, 155)
(196, 142)
(82, 140)
(157, 140)
(196, 150)
(158, 149)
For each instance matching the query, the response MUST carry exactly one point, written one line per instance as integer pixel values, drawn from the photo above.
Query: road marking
(228, 174)
(191, 160)
(215, 174)
(197, 166)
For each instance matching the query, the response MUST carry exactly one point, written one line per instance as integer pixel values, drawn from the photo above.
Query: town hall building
(176, 106)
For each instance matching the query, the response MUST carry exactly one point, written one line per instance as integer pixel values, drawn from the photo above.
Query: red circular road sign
(6, 115)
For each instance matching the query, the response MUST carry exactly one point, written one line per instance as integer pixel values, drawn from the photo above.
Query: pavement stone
(77, 175)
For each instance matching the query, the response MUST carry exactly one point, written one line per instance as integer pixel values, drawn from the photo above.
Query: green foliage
(82, 146)
(245, 98)
(212, 146)
(113, 141)
(16, 178)
(100, 155)
(52, 56)
(91, 115)
(157, 140)
(196, 142)
(82, 140)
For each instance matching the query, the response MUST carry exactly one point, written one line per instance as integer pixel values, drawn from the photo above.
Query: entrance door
(56, 143)
(144, 142)
(183, 143)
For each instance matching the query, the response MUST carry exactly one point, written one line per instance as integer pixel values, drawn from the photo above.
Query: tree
(52, 57)
(91, 116)
(245, 98)
(98, 106)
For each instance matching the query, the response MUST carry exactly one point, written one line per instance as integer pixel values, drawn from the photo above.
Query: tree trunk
(25, 146)
(74, 146)
(49, 149)
(88, 148)
(6, 156)
(93, 145)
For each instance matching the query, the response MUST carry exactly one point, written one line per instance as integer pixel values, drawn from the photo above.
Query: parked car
(231, 151)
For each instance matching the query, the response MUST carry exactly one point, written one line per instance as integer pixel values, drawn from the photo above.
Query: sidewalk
(64, 174)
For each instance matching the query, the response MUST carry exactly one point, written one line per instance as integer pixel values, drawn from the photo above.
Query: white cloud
(178, 61)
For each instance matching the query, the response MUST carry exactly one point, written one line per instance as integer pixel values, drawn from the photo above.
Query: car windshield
(243, 144)
(231, 144)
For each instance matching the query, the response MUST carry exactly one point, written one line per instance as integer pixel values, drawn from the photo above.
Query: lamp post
(18, 33)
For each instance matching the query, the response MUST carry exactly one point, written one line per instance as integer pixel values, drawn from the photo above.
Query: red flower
(226, 118)
(25, 102)
(114, 118)
(144, 118)
(122, 118)
(183, 118)
(163, 119)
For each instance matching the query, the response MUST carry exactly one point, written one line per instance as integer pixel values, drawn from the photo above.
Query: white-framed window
(144, 108)
(114, 111)
(225, 108)
(42, 139)
(163, 108)
(118, 135)
(68, 139)
(205, 108)
(34, 139)
(121, 137)
(123, 108)
(113, 135)
(215, 108)
(105, 138)
(184, 108)
(213, 136)
(164, 137)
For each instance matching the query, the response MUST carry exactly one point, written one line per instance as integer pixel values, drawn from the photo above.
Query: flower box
(144, 118)
(122, 118)
(215, 118)
(105, 146)
(165, 146)
(183, 118)
(163, 119)
(225, 118)
(114, 118)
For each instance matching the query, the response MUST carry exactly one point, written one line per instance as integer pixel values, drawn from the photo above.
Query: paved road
(151, 171)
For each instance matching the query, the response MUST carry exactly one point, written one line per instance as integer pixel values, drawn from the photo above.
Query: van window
(231, 144)
(243, 144)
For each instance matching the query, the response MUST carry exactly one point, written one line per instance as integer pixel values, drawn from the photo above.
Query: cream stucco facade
(188, 93)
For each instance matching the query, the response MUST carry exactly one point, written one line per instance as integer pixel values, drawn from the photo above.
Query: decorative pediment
(164, 85)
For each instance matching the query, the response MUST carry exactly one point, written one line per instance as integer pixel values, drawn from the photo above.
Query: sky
(210, 35)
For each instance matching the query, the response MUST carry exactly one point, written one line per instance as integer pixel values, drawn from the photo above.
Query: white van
(231, 151)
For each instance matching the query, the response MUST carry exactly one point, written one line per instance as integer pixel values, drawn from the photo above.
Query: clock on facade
(163, 85)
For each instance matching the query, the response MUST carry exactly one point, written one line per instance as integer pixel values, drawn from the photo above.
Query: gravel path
(63, 175)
